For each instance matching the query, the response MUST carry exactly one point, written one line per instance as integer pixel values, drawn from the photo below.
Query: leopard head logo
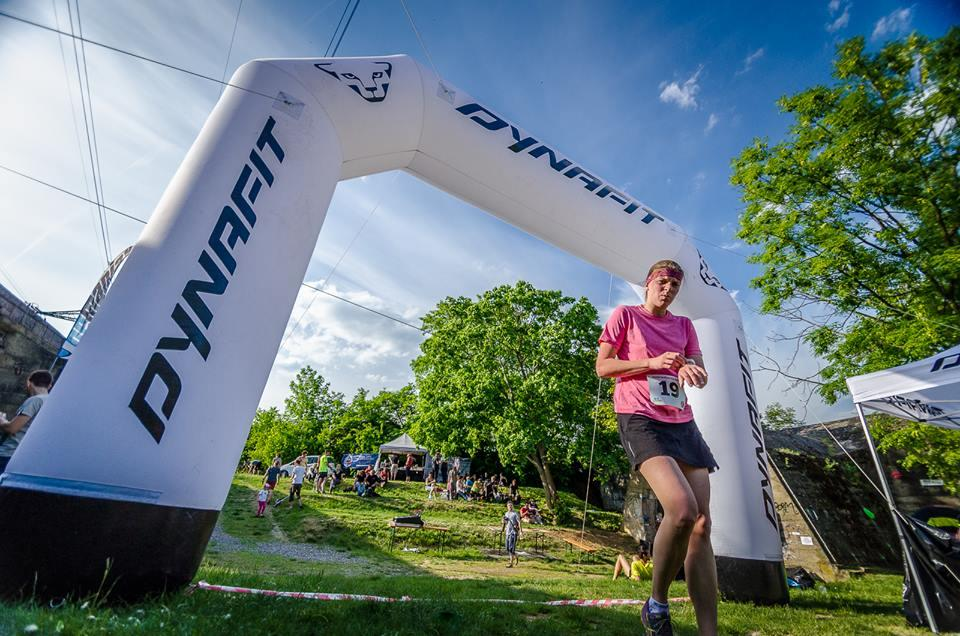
(707, 275)
(370, 83)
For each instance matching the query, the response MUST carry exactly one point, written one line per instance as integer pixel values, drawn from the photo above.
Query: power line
(273, 98)
(343, 255)
(69, 193)
(226, 64)
(73, 115)
(346, 26)
(12, 282)
(365, 308)
(139, 220)
(333, 36)
(416, 31)
(86, 127)
(143, 58)
(98, 175)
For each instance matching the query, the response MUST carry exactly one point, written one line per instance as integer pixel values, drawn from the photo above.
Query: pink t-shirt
(635, 333)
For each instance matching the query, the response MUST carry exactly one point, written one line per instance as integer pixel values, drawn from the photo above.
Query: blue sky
(656, 97)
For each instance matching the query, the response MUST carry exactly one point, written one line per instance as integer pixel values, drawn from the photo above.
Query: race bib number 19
(666, 390)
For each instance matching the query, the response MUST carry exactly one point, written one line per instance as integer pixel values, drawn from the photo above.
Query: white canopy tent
(924, 391)
(402, 444)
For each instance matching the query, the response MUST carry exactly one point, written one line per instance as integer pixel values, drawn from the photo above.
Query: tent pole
(888, 494)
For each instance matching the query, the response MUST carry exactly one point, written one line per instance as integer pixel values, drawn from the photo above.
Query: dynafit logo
(369, 80)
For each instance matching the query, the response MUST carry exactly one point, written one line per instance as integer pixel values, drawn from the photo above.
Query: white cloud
(896, 23)
(685, 95)
(733, 294)
(732, 245)
(750, 59)
(712, 121)
(699, 180)
(838, 21)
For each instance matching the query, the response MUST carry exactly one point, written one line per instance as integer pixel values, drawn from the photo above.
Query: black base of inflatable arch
(752, 581)
(55, 546)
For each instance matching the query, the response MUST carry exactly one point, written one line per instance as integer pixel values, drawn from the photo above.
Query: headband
(665, 271)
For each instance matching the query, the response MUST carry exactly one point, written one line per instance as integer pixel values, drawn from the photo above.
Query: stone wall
(27, 342)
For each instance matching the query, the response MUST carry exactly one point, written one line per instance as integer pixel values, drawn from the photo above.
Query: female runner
(654, 355)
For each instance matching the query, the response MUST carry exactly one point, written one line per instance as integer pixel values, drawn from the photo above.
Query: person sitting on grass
(476, 491)
(359, 483)
(530, 513)
(336, 476)
(372, 482)
(428, 485)
(640, 568)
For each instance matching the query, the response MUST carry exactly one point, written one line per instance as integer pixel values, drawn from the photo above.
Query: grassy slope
(467, 570)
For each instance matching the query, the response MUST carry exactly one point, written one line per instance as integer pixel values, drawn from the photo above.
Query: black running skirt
(643, 438)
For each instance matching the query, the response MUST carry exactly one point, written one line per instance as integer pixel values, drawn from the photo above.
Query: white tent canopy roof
(925, 391)
(402, 444)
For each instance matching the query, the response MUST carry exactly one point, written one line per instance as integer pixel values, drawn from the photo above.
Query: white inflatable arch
(131, 458)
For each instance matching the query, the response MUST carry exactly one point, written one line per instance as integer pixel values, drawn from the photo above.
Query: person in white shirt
(296, 482)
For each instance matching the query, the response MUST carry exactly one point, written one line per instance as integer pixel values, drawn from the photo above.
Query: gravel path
(304, 551)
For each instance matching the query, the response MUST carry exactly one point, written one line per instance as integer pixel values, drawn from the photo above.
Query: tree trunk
(546, 477)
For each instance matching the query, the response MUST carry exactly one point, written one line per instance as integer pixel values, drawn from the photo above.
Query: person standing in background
(13, 431)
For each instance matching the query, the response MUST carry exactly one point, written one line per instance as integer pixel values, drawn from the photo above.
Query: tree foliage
(512, 369)
(857, 216)
(311, 411)
(265, 439)
(937, 450)
(857, 212)
(316, 419)
(778, 416)
(368, 422)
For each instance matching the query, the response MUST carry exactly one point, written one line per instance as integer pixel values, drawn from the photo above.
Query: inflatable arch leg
(121, 479)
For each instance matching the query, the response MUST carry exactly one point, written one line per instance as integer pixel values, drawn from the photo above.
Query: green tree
(857, 217)
(512, 369)
(857, 212)
(609, 460)
(311, 412)
(937, 450)
(778, 416)
(266, 436)
(367, 422)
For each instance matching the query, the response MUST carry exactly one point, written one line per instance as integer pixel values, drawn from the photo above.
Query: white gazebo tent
(401, 446)
(924, 391)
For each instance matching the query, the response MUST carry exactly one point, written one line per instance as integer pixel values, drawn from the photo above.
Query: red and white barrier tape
(322, 596)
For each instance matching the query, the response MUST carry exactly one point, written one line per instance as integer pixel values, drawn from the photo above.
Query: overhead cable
(144, 58)
(86, 125)
(333, 53)
(226, 63)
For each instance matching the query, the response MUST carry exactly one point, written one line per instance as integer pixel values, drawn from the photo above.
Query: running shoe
(655, 623)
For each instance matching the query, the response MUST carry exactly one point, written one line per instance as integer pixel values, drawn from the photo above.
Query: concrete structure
(27, 342)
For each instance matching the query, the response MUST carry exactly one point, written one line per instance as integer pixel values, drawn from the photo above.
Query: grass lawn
(340, 543)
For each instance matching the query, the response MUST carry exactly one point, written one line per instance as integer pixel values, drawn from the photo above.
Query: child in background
(262, 497)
